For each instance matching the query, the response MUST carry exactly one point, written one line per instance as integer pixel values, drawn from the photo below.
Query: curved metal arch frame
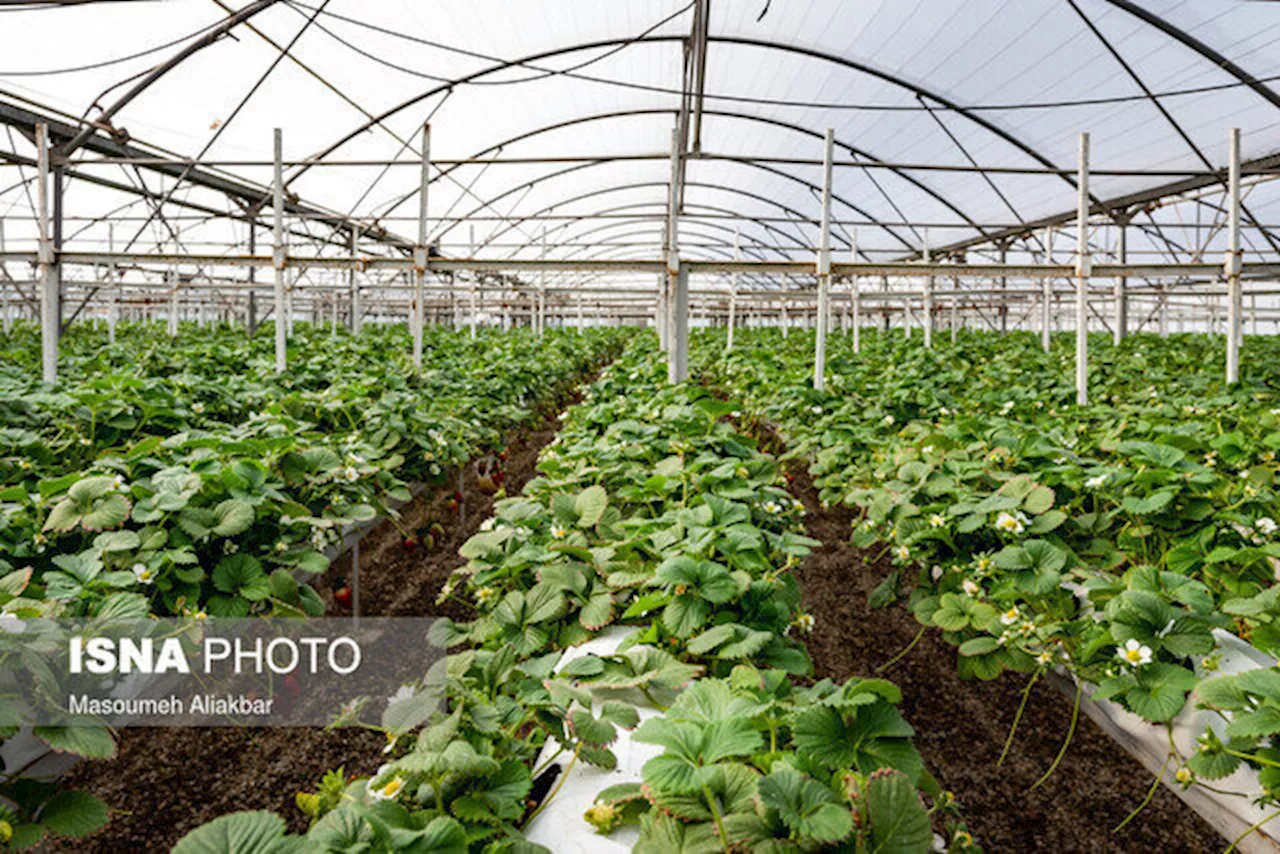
(722, 248)
(801, 217)
(767, 120)
(753, 249)
(693, 219)
(661, 205)
(1179, 35)
(1186, 39)
(800, 50)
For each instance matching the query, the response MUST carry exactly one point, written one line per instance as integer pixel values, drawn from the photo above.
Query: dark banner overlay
(219, 672)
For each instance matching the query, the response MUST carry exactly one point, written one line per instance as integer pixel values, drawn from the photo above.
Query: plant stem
(1151, 793)
(1022, 707)
(1238, 839)
(915, 640)
(559, 785)
(715, 813)
(1075, 717)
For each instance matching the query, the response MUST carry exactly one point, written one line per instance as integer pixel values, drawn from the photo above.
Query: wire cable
(745, 99)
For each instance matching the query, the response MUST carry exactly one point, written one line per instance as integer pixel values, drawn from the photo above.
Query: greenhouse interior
(665, 425)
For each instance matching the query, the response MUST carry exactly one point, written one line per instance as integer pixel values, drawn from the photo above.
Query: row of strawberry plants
(182, 477)
(197, 472)
(1109, 540)
(651, 512)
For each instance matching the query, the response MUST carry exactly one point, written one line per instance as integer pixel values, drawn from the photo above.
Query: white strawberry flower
(1011, 523)
(1095, 482)
(936, 573)
(971, 587)
(389, 790)
(197, 407)
(1044, 657)
(937, 520)
(1134, 653)
(805, 623)
(350, 475)
(143, 573)
(559, 531)
(1266, 525)
(1008, 618)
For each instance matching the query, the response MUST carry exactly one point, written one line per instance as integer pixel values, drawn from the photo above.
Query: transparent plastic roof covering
(597, 88)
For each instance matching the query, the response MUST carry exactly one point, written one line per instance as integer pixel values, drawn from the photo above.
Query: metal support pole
(1004, 285)
(250, 310)
(786, 321)
(541, 324)
(1120, 322)
(823, 319)
(172, 276)
(677, 278)
(855, 296)
(1046, 296)
(475, 309)
(928, 297)
(1234, 261)
(278, 252)
(733, 290)
(417, 320)
(50, 302)
(955, 303)
(1084, 264)
(354, 286)
(4, 289)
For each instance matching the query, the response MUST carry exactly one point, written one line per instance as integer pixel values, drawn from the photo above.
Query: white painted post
(928, 297)
(786, 321)
(354, 285)
(677, 278)
(955, 302)
(113, 308)
(542, 288)
(1234, 261)
(418, 319)
(172, 276)
(823, 319)
(50, 303)
(1084, 265)
(4, 288)
(733, 290)
(1046, 296)
(1120, 322)
(855, 286)
(278, 252)
(475, 282)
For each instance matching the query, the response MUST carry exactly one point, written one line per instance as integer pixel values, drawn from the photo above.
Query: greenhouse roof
(956, 121)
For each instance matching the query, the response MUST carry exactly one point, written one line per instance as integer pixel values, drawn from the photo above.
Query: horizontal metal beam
(909, 270)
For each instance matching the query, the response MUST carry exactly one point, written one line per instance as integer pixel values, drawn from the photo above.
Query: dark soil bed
(164, 782)
(961, 726)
